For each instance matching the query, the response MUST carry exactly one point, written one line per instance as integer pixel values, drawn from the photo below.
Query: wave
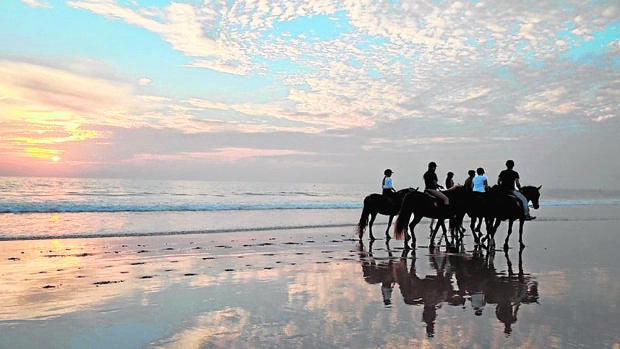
(84, 208)
(73, 207)
(582, 202)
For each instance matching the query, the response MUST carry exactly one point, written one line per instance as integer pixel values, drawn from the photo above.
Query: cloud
(603, 118)
(223, 155)
(37, 3)
(144, 81)
(384, 59)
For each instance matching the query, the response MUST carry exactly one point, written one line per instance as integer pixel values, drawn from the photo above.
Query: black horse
(503, 206)
(477, 208)
(422, 204)
(378, 203)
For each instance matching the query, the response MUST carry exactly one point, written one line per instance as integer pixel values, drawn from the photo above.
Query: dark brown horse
(503, 206)
(422, 204)
(380, 204)
(477, 208)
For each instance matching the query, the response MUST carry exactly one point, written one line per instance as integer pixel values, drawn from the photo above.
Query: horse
(503, 206)
(378, 203)
(477, 208)
(422, 204)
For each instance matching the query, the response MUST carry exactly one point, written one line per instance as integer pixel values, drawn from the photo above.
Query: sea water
(35, 208)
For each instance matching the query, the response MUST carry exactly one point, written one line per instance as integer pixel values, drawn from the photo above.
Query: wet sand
(310, 288)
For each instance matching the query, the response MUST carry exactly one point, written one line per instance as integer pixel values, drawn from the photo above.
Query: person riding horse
(431, 184)
(507, 180)
(386, 184)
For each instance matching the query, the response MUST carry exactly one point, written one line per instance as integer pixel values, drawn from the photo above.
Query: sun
(55, 158)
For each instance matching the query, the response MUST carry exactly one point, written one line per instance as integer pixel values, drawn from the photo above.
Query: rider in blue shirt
(386, 184)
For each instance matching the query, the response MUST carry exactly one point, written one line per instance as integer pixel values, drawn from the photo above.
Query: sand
(317, 287)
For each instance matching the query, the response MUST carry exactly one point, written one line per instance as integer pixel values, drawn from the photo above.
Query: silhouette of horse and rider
(474, 275)
(506, 201)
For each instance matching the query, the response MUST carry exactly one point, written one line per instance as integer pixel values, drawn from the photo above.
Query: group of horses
(491, 207)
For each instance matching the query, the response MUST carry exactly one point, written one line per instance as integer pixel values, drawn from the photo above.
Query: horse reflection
(378, 272)
(475, 278)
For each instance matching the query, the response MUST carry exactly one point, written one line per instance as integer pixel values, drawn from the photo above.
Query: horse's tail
(402, 221)
(363, 223)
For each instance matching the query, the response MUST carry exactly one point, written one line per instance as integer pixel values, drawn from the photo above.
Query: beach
(317, 287)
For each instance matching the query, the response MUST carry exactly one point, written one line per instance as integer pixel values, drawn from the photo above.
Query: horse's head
(532, 194)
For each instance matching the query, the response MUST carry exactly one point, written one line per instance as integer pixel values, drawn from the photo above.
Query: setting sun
(55, 158)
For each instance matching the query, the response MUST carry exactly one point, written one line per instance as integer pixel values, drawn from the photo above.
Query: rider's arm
(518, 184)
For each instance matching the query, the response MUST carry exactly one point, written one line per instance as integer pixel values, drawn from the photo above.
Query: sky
(311, 91)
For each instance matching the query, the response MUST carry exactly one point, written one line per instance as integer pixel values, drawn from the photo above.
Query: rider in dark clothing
(450, 180)
(469, 185)
(431, 184)
(507, 181)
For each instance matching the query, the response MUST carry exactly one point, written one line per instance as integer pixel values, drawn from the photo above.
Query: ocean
(40, 208)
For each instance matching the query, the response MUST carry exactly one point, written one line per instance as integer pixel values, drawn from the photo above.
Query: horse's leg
(454, 226)
(510, 222)
(414, 222)
(454, 231)
(434, 232)
(498, 221)
(445, 232)
(439, 224)
(521, 233)
(460, 232)
(479, 227)
(387, 230)
(472, 226)
(488, 226)
(372, 220)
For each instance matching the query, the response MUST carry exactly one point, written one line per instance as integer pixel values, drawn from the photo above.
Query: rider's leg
(526, 208)
(440, 195)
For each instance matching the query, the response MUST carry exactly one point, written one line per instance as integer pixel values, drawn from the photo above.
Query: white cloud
(223, 155)
(37, 3)
(144, 81)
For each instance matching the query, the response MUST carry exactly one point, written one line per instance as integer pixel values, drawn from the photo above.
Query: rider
(507, 180)
(469, 185)
(431, 185)
(450, 180)
(386, 184)
(480, 181)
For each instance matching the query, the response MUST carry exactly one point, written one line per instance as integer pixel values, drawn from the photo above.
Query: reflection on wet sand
(457, 279)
